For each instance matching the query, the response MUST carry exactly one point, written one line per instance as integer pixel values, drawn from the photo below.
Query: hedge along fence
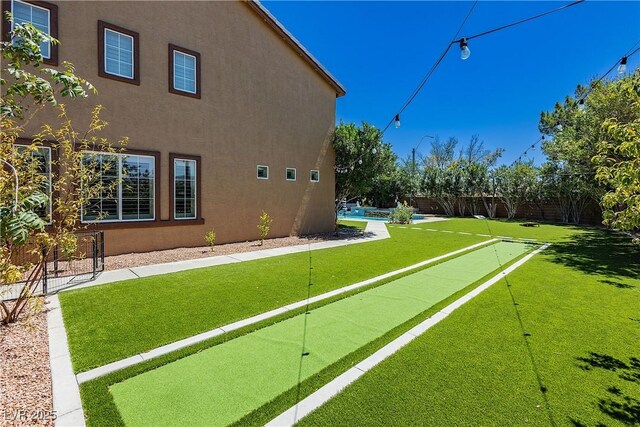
(546, 211)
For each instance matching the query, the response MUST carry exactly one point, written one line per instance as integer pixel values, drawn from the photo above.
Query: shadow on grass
(616, 404)
(598, 251)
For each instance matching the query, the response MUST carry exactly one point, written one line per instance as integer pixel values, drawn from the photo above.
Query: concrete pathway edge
(67, 404)
(168, 348)
(375, 230)
(331, 389)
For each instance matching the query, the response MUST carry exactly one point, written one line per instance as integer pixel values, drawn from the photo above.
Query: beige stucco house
(227, 115)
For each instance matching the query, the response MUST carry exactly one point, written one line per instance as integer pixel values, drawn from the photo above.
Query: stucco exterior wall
(261, 104)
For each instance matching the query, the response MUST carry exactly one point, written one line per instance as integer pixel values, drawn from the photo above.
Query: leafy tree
(617, 158)
(362, 160)
(24, 191)
(516, 185)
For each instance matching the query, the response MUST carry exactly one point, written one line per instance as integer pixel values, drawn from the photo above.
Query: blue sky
(380, 50)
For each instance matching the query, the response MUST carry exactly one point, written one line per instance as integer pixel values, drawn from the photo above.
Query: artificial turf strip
(111, 322)
(580, 306)
(222, 384)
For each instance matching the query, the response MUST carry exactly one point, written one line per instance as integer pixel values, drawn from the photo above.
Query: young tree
(25, 243)
(361, 159)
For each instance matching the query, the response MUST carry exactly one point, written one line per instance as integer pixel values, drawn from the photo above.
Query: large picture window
(118, 53)
(40, 14)
(184, 71)
(184, 194)
(124, 187)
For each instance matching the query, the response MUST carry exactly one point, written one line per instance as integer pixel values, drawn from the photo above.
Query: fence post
(45, 271)
(94, 239)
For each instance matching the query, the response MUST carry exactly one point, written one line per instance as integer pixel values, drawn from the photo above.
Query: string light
(465, 52)
(581, 105)
(623, 65)
(464, 49)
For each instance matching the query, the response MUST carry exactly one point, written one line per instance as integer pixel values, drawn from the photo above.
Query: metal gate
(64, 268)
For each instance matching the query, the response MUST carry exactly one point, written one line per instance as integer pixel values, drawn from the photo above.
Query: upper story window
(315, 176)
(43, 16)
(124, 188)
(118, 53)
(184, 71)
(291, 174)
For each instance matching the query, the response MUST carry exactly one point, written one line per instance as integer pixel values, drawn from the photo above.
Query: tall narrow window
(118, 53)
(40, 14)
(123, 189)
(184, 188)
(42, 170)
(184, 71)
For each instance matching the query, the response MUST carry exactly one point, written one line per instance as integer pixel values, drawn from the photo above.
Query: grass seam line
(168, 348)
(334, 387)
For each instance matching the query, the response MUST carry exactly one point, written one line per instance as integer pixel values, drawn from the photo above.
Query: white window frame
(133, 55)
(38, 7)
(120, 156)
(195, 189)
(195, 72)
(295, 174)
(311, 175)
(258, 172)
(50, 195)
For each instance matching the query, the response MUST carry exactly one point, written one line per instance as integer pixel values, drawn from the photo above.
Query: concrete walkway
(375, 230)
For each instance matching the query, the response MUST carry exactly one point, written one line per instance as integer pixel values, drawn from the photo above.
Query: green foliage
(363, 162)
(210, 238)
(618, 163)
(18, 223)
(402, 214)
(40, 86)
(516, 184)
(264, 226)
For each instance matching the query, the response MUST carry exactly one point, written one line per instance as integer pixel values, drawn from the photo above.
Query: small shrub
(403, 214)
(210, 238)
(264, 226)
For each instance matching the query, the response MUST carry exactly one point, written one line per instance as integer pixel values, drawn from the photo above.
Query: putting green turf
(222, 384)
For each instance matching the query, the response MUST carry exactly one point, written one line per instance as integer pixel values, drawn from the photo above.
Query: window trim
(311, 175)
(295, 174)
(258, 169)
(173, 48)
(102, 27)
(172, 188)
(156, 191)
(7, 6)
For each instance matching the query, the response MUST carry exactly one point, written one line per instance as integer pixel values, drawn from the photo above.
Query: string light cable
(622, 69)
(465, 52)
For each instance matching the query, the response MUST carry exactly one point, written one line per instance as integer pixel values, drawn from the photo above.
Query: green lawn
(110, 322)
(574, 361)
(223, 383)
(346, 224)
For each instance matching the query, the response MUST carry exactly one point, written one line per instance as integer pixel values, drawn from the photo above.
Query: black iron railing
(77, 263)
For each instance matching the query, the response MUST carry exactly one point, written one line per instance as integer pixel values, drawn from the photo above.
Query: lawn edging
(168, 348)
(331, 389)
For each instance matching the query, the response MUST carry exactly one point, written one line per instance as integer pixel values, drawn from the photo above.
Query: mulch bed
(25, 377)
(116, 262)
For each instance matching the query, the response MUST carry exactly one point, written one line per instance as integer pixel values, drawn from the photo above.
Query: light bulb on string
(397, 120)
(374, 151)
(581, 105)
(360, 161)
(465, 52)
(623, 65)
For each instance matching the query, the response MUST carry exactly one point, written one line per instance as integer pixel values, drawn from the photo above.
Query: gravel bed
(116, 262)
(25, 377)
